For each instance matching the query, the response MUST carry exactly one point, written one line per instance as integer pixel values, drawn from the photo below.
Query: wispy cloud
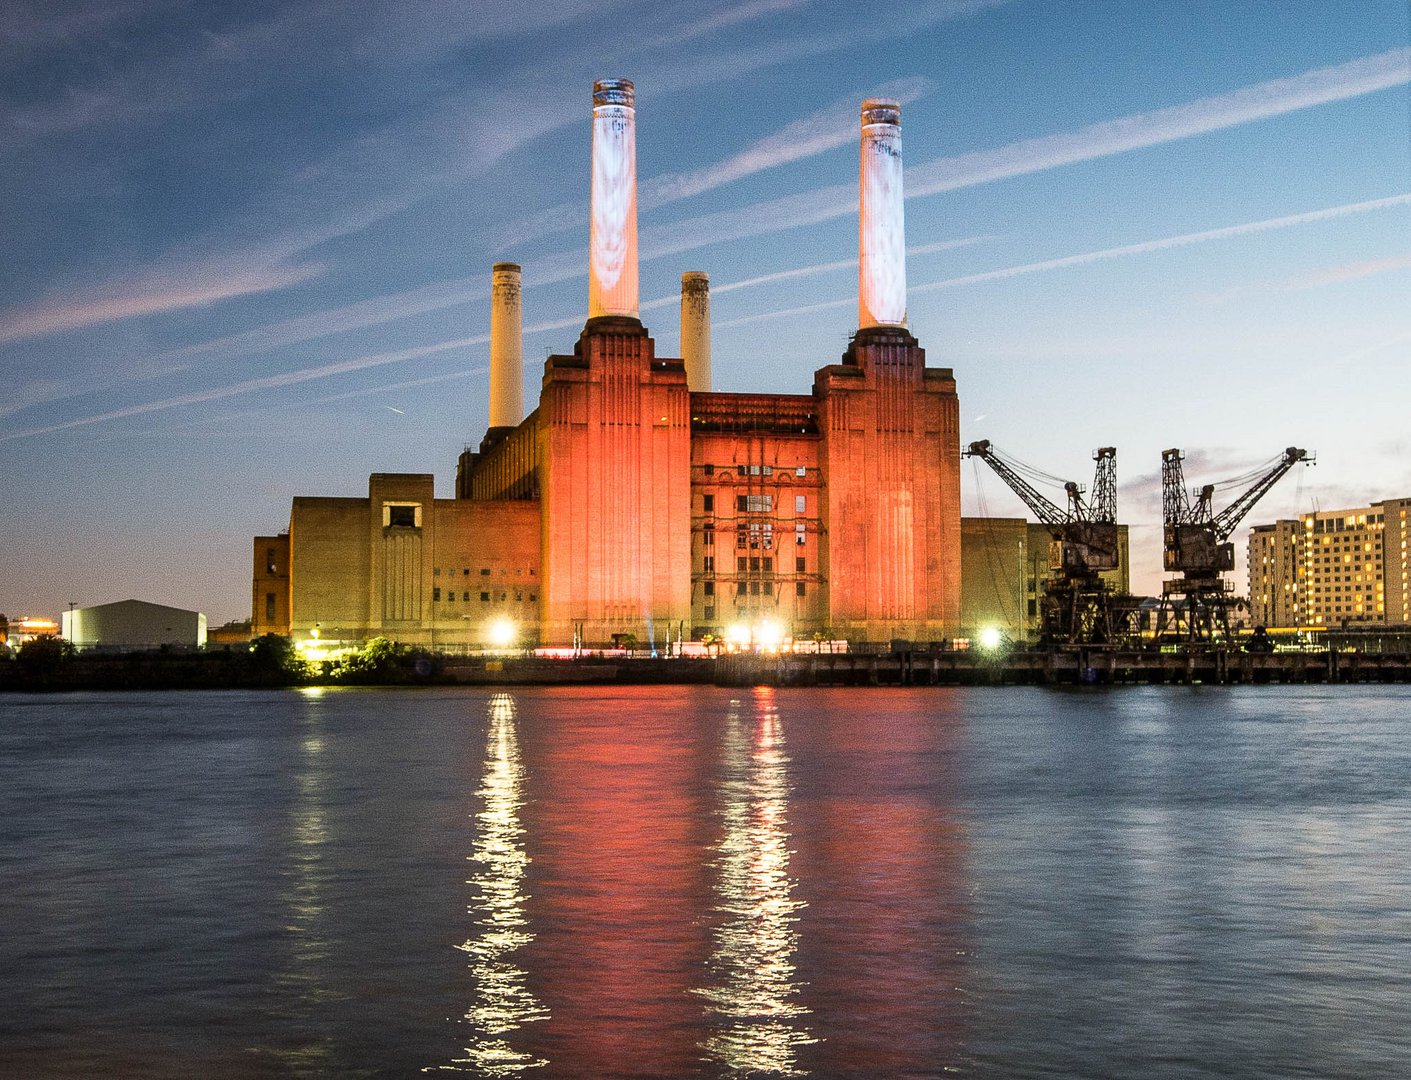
(1143, 248)
(1139, 130)
(1168, 242)
(193, 287)
(1352, 271)
(249, 386)
(1258, 102)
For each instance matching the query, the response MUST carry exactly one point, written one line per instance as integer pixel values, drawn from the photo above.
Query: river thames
(694, 882)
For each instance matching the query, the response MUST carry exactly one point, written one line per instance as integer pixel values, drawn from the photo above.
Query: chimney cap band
(614, 92)
(881, 111)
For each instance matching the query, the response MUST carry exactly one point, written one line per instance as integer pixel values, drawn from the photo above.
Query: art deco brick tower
(614, 433)
(891, 436)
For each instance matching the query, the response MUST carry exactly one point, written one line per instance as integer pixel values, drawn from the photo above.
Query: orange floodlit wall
(633, 502)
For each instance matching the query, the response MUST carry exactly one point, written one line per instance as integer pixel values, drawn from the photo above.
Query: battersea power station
(636, 503)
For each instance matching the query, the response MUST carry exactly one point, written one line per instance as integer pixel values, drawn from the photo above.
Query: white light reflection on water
(754, 996)
(502, 1001)
(305, 894)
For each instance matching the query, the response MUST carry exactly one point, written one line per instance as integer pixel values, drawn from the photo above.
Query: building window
(710, 470)
(435, 596)
(708, 588)
(533, 598)
(451, 596)
(741, 564)
(800, 589)
(708, 503)
(465, 572)
(484, 597)
(465, 596)
(754, 588)
(709, 613)
(269, 561)
(742, 536)
(401, 515)
(708, 564)
(740, 588)
(800, 533)
(800, 503)
(768, 564)
(269, 607)
(800, 565)
(801, 471)
(740, 469)
(484, 571)
(708, 536)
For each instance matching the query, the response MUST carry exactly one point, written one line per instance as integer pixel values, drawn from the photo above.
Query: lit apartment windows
(754, 504)
(800, 503)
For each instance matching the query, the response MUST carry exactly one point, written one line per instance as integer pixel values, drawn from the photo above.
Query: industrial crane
(1078, 607)
(1197, 543)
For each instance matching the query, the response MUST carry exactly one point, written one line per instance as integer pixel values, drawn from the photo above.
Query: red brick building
(633, 502)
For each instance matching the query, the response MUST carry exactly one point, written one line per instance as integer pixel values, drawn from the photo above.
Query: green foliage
(378, 660)
(274, 656)
(44, 654)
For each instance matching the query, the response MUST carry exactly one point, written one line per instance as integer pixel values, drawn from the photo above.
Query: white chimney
(506, 347)
(612, 269)
(695, 328)
(881, 293)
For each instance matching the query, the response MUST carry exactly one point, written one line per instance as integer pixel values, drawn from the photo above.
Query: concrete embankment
(1064, 666)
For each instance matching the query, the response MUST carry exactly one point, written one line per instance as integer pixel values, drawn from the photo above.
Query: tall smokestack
(506, 347)
(695, 328)
(881, 292)
(612, 268)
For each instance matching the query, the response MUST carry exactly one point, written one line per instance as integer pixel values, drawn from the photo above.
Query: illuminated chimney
(695, 328)
(506, 347)
(612, 269)
(881, 292)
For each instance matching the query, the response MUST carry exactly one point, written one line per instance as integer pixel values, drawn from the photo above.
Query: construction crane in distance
(1078, 607)
(1197, 545)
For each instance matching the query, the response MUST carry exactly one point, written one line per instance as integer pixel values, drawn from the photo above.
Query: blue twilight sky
(245, 248)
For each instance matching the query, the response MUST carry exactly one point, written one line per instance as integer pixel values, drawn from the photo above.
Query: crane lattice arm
(1228, 519)
(1104, 501)
(1043, 508)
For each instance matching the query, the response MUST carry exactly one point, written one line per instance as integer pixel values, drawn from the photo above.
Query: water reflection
(502, 1002)
(305, 894)
(754, 995)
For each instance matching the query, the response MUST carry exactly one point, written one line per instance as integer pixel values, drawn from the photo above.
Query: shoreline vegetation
(50, 664)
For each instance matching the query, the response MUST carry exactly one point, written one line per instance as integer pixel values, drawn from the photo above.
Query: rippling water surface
(662, 882)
